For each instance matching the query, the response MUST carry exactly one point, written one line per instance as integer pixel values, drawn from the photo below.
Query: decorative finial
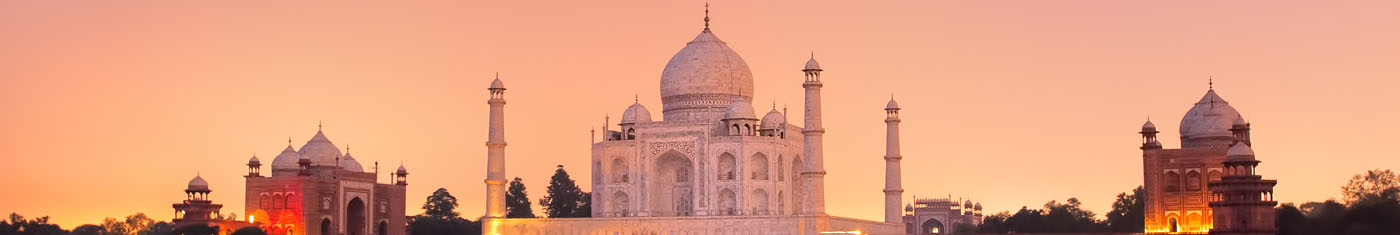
(814, 54)
(289, 141)
(498, 74)
(347, 149)
(707, 15)
(318, 126)
(1211, 82)
(636, 98)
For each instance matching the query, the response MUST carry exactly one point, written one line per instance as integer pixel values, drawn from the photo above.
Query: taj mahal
(709, 165)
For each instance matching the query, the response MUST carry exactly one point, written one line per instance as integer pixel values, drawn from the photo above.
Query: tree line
(563, 199)
(1371, 205)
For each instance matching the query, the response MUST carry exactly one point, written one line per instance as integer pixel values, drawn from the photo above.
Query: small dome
(812, 64)
(977, 206)
(287, 159)
(772, 120)
(402, 170)
(740, 109)
(349, 164)
(496, 84)
(1239, 152)
(198, 184)
(892, 105)
(253, 160)
(636, 114)
(1149, 126)
(1239, 122)
(908, 207)
(967, 204)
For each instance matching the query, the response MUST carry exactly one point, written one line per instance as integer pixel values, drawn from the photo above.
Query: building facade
(1177, 181)
(1242, 200)
(931, 216)
(710, 165)
(316, 190)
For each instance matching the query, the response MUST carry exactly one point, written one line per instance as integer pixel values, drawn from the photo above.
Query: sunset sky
(108, 108)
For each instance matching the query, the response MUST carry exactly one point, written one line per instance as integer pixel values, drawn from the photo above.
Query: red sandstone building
(1178, 183)
(319, 191)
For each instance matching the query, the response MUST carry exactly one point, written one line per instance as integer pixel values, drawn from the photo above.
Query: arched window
(727, 202)
(631, 134)
(727, 166)
(781, 203)
(278, 201)
(1193, 181)
(325, 226)
(1172, 225)
(292, 201)
(736, 130)
(1214, 175)
(1172, 182)
(747, 130)
(619, 171)
(264, 202)
(758, 167)
(1193, 220)
(619, 203)
(758, 202)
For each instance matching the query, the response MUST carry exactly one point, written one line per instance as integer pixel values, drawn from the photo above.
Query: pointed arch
(758, 167)
(727, 166)
(620, 202)
(619, 171)
(758, 202)
(728, 203)
(1172, 182)
(1193, 181)
(670, 191)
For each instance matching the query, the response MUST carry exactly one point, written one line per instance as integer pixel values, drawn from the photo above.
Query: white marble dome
(198, 184)
(892, 105)
(740, 109)
(1239, 152)
(705, 74)
(772, 120)
(812, 64)
(320, 150)
(1210, 117)
(287, 159)
(636, 114)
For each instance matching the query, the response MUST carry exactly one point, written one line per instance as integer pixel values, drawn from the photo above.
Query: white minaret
(496, 153)
(815, 173)
(893, 191)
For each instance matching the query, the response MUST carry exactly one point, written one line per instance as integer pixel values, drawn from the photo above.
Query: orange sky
(109, 107)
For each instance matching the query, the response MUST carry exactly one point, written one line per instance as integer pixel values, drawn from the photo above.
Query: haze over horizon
(112, 107)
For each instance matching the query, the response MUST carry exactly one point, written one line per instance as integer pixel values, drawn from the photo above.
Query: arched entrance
(932, 226)
(325, 226)
(355, 217)
(671, 185)
(382, 228)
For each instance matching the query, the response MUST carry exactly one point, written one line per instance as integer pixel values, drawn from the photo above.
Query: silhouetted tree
(196, 229)
(1289, 220)
(440, 217)
(17, 225)
(250, 230)
(964, 229)
(563, 196)
(1128, 212)
(87, 229)
(1374, 184)
(162, 228)
(995, 223)
(585, 205)
(517, 202)
(441, 205)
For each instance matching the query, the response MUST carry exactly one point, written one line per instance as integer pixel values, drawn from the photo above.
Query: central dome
(1208, 123)
(702, 79)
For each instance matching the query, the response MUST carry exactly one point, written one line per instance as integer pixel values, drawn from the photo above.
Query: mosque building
(1183, 186)
(940, 215)
(316, 190)
(709, 165)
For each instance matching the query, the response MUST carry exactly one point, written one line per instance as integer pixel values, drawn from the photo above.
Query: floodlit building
(316, 190)
(941, 215)
(1179, 183)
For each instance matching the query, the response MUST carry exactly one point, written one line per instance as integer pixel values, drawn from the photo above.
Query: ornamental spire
(707, 15)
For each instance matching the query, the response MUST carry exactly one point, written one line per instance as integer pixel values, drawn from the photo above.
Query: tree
(37, 226)
(250, 230)
(964, 229)
(1069, 217)
(88, 229)
(563, 196)
(1128, 213)
(162, 228)
(995, 223)
(1377, 183)
(1289, 220)
(517, 203)
(196, 229)
(441, 205)
(585, 205)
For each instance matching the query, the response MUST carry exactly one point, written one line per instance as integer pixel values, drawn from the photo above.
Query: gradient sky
(110, 107)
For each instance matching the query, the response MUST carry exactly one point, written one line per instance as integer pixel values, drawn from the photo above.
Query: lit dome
(349, 164)
(740, 109)
(198, 184)
(1210, 118)
(320, 150)
(1239, 152)
(636, 114)
(772, 120)
(287, 159)
(705, 74)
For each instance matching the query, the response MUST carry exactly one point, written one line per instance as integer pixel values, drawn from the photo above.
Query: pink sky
(109, 107)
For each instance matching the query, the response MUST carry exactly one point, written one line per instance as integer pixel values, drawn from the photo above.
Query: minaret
(1240, 129)
(812, 130)
(893, 191)
(496, 153)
